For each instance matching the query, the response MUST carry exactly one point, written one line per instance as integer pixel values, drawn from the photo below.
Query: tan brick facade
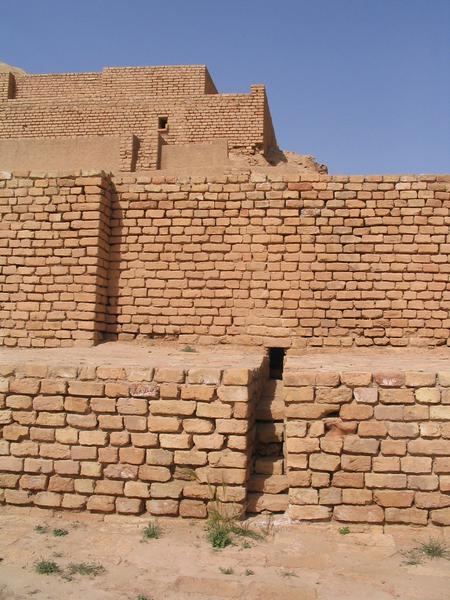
(288, 261)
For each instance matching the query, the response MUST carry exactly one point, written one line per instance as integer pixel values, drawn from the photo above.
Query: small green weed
(344, 530)
(188, 349)
(152, 532)
(219, 537)
(246, 545)
(47, 567)
(85, 569)
(431, 549)
(226, 570)
(41, 529)
(142, 597)
(60, 532)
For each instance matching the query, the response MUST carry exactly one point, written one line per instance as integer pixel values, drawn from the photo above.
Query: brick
(385, 481)
(366, 395)
(419, 379)
(359, 514)
(137, 489)
(428, 395)
(191, 458)
(231, 393)
(394, 498)
(210, 376)
(132, 406)
(299, 394)
(159, 457)
(48, 403)
(129, 506)
(109, 487)
(309, 513)
(257, 502)
(432, 500)
(415, 464)
(324, 462)
(409, 516)
(18, 402)
(215, 410)
(33, 482)
(428, 447)
(74, 501)
(396, 396)
(302, 445)
(165, 424)
(237, 376)
(356, 379)
(357, 412)
(356, 445)
(372, 429)
(303, 496)
(145, 390)
(351, 462)
(403, 430)
(440, 413)
(194, 509)
(175, 440)
(423, 482)
(154, 473)
(86, 388)
(173, 407)
(169, 375)
(337, 395)
(440, 516)
(167, 508)
(356, 496)
(389, 379)
(197, 426)
(48, 499)
(202, 393)
(100, 503)
(214, 441)
(173, 489)
(121, 471)
(133, 456)
(93, 438)
(18, 497)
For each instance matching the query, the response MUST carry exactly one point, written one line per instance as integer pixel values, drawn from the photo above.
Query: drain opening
(276, 362)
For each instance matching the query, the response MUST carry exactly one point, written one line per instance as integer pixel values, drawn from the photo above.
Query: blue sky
(363, 85)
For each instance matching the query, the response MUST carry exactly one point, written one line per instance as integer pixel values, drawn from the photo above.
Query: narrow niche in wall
(276, 362)
(163, 123)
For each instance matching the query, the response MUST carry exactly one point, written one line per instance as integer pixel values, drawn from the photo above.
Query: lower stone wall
(109, 439)
(368, 447)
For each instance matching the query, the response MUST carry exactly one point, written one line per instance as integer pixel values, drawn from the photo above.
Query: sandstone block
(397, 396)
(324, 462)
(137, 489)
(86, 388)
(356, 379)
(214, 410)
(93, 438)
(172, 489)
(351, 462)
(129, 506)
(194, 509)
(48, 499)
(420, 379)
(411, 515)
(356, 445)
(167, 508)
(359, 514)
(165, 424)
(257, 502)
(132, 406)
(303, 496)
(394, 498)
(121, 471)
(366, 395)
(159, 457)
(338, 395)
(309, 513)
(208, 376)
(169, 375)
(389, 379)
(99, 503)
(385, 481)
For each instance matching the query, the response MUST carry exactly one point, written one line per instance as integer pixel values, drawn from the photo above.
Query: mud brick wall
(282, 261)
(53, 259)
(108, 439)
(368, 447)
(127, 102)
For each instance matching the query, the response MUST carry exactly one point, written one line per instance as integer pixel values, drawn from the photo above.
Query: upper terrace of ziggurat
(142, 214)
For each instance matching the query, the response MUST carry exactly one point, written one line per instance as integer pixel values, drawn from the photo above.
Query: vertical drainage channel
(268, 486)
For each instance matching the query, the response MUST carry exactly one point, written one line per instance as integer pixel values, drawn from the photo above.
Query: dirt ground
(292, 562)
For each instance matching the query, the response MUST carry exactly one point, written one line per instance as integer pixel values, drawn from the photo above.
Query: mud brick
(135, 423)
(91, 469)
(372, 429)
(147, 390)
(53, 386)
(54, 451)
(129, 506)
(327, 378)
(221, 476)
(99, 503)
(237, 376)
(444, 378)
(299, 378)
(232, 393)
(428, 447)
(366, 395)
(119, 438)
(48, 499)
(299, 394)
(302, 445)
(397, 396)
(24, 386)
(359, 514)
(386, 464)
(36, 465)
(351, 480)
(324, 462)
(173, 489)
(416, 412)
(132, 406)
(18, 402)
(303, 496)
(310, 411)
(388, 413)
(298, 478)
(351, 462)
(442, 465)
(409, 516)
(356, 496)
(356, 445)
(428, 395)
(356, 379)
(68, 435)
(385, 480)
(114, 390)
(83, 452)
(84, 486)
(93, 438)
(295, 429)
(444, 483)
(133, 456)
(33, 482)
(191, 457)
(137, 489)
(214, 441)
(5, 417)
(24, 448)
(423, 482)
(440, 413)
(103, 405)
(82, 421)
(159, 457)
(432, 500)
(66, 467)
(194, 509)
(110, 422)
(109, 487)
(74, 501)
(60, 484)
(167, 424)
(211, 376)
(420, 379)
(389, 379)
(297, 461)
(107, 372)
(86, 388)
(358, 412)
(121, 471)
(8, 480)
(169, 375)
(257, 502)
(18, 497)
(416, 464)
(76, 405)
(15, 432)
(170, 391)
(197, 426)
(403, 430)
(167, 508)
(152, 473)
(173, 407)
(309, 513)
(394, 498)
(108, 455)
(215, 410)
(234, 426)
(338, 395)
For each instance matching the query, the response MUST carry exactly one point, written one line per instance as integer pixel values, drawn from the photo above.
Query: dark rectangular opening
(163, 123)
(276, 362)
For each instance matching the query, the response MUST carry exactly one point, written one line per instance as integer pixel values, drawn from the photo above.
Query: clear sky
(363, 85)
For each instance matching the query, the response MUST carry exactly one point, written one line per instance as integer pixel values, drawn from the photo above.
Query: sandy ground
(293, 562)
